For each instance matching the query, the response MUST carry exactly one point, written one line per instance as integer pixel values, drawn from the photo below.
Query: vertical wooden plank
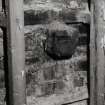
(97, 79)
(100, 41)
(0, 5)
(92, 57)
(15, 79)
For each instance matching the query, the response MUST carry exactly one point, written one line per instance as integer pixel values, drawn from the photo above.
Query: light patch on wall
(103, 42)
(103, 9)
(74, 4)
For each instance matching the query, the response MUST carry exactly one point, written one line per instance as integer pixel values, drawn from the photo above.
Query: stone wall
(56, 81)
(64, 80)
(50, 81)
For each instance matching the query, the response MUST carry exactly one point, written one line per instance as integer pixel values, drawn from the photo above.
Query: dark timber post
(97, 53)
(15, 80)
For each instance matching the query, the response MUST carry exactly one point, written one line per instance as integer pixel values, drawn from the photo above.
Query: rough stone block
(61, 40)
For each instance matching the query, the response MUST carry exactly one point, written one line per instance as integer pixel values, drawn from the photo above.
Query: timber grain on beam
(97, 53)
(0, 5)
(14, 53)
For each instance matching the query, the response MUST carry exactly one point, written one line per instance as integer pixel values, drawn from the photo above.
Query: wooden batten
(97, 53)
(0, 5)
(92, 58)
(14, 53)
